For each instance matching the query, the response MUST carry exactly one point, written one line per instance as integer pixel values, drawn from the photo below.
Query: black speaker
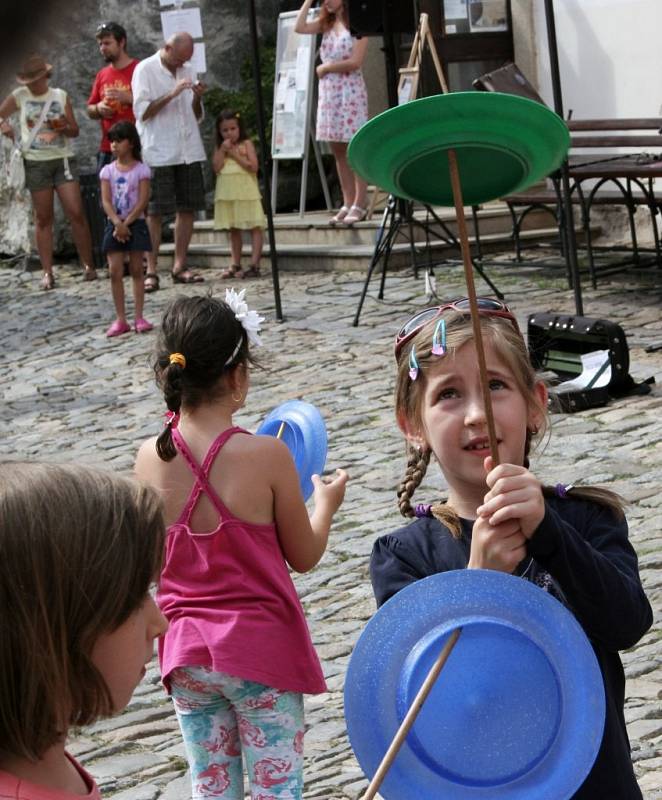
(376, 17)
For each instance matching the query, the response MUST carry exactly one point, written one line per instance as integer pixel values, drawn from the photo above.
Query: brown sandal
(233, 271)
(252, 272)
(186, 276)
(151, 282)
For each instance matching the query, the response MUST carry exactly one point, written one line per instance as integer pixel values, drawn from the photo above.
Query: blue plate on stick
(304, 432)
(517, 711)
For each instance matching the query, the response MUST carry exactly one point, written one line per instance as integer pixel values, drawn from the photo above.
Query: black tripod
(398, 214)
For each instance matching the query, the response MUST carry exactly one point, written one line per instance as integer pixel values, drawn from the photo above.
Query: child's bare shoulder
(265, 447)
(147, 457)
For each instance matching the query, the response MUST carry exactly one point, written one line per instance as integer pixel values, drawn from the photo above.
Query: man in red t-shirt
(111, 99)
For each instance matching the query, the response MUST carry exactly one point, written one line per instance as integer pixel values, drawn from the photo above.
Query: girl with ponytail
(238, 656)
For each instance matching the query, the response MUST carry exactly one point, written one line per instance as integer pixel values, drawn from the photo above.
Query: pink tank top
(229, 598)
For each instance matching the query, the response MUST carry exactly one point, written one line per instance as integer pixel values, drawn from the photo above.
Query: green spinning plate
(503, 144)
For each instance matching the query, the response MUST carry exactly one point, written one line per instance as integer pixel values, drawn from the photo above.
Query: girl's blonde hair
(79, 549)
(510, 347)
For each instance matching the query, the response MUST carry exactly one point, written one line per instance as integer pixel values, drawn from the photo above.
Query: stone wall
(65, 37)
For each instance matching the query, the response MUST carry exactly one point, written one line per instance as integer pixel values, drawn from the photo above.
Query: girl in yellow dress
(237, 203)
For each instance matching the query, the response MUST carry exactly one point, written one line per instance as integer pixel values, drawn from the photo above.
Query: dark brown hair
(511, 348)
(78, 551)
(225, 115)
(127, 130)
(212, 340)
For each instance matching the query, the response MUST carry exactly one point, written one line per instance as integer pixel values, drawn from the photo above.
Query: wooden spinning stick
(438, 665)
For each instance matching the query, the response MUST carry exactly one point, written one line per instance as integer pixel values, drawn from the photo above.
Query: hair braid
(172, 393)
(417, 464)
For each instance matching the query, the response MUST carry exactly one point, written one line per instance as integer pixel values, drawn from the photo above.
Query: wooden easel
(409, 75)
(408, 82)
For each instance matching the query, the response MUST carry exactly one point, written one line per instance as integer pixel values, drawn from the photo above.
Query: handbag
(15, 167)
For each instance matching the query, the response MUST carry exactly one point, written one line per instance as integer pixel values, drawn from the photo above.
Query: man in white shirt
(167, 103)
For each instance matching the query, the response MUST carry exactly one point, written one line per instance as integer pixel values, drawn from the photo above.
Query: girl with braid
(569, 541)
(238, 656)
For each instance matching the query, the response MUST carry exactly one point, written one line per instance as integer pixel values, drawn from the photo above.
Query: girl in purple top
(238, 655)
(125, 194)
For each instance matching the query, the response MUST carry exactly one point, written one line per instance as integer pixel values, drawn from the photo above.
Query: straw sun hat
(33, 69)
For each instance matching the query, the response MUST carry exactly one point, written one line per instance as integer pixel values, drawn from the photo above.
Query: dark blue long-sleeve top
(581, 554)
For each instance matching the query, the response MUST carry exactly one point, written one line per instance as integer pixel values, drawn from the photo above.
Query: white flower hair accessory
(250, 320)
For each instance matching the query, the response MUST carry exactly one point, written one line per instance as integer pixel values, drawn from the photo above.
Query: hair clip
(439, 339)
(563, 489)
(413, 364)
(178, 358)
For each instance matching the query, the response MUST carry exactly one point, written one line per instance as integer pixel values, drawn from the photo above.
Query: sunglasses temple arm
(473, 303)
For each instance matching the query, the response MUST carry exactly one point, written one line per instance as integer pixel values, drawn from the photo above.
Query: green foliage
(243, 99)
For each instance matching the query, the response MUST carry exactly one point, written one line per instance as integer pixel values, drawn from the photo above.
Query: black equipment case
(556, 342)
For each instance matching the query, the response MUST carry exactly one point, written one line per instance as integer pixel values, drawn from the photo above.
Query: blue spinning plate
(304, 433)
(517, 712)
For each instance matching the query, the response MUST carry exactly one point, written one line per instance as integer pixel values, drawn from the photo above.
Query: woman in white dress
(343, 99)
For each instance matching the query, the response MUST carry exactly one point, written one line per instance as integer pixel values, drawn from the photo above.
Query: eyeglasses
(486, 305)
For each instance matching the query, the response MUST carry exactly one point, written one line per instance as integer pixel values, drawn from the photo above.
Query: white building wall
(610, 56)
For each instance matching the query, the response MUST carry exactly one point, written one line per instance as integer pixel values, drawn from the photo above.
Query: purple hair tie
(422, 510)
(562, 490)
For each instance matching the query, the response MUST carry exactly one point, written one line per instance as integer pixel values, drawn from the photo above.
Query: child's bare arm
(107, 202)
(249, 160)
(218, 159)
(302, 538)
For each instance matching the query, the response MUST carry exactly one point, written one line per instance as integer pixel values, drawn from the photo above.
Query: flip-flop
(151, 282)
(186, 276)
(90, 274)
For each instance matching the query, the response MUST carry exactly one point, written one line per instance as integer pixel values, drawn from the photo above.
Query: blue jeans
(222, 717)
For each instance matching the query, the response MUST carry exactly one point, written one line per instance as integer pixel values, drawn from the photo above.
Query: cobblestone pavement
(71, 394)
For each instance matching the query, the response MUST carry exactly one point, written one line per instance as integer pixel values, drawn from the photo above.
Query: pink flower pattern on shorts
(271, 771)
(222, 717)
(343, 98)
(213, 780)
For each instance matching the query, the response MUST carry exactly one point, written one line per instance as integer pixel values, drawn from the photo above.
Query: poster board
(293, 89)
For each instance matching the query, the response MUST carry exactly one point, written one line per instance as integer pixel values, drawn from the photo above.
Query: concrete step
(325, 257)
(313, 229)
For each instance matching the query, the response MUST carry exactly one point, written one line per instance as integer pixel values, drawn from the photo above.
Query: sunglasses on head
(486, 305)
(111, 28)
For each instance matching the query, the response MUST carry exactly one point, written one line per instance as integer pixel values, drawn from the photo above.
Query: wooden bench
(628, 175)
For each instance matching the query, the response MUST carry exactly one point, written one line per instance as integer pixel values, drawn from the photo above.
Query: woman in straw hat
(47, 125)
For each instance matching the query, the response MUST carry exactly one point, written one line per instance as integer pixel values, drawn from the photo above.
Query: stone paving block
(69, 393)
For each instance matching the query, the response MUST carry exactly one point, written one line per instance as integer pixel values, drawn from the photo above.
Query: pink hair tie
(172, 419)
